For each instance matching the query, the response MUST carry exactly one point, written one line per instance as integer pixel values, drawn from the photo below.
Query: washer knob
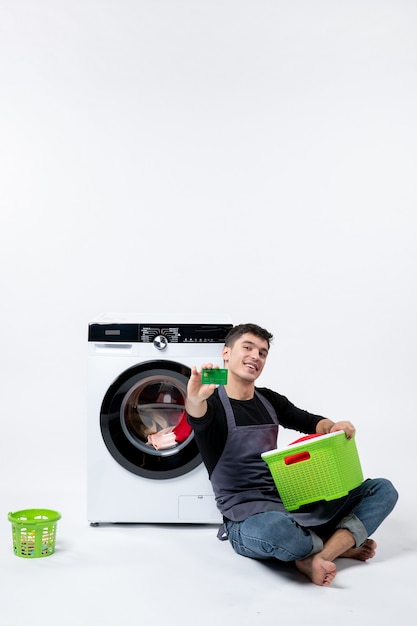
(160, 342)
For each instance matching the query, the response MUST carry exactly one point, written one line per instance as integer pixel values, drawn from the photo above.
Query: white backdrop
(252, 157)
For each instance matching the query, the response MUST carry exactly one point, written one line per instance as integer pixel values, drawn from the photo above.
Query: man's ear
(225, 353)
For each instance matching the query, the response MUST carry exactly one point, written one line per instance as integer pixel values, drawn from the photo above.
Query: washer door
(143, 421)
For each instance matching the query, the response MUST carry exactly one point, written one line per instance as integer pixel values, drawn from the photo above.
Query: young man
(233, 425)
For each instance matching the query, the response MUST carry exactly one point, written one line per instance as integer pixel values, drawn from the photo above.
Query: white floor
(140, 574)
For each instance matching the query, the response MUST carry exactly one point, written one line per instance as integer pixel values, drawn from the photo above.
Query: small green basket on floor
(34, 532)
(324, 467)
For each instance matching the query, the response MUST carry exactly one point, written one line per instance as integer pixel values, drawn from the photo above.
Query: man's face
(247, 357)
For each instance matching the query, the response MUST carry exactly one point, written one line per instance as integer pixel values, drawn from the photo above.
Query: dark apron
(241, 480)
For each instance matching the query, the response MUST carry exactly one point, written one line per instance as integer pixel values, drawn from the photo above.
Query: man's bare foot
(362, 553)
(320, 571)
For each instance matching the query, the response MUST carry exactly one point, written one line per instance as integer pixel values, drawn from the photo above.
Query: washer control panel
(158, 334)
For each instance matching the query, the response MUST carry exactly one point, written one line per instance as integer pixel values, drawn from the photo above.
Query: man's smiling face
(245, 359)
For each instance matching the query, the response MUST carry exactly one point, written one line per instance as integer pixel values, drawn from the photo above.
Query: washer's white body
(115, 494)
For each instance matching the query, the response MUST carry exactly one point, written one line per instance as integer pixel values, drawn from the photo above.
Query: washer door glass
(143, 421)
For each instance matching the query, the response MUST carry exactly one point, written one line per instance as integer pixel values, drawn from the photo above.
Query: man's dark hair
(237, 331)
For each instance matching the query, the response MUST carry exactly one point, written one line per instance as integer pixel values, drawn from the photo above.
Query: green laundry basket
(34, 532)
(325, 467)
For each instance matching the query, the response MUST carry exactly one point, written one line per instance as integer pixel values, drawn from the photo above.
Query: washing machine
(143, 463)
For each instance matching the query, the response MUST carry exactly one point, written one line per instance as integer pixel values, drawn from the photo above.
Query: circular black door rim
(138, 459)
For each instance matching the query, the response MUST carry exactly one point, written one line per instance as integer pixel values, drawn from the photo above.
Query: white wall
(255, 157)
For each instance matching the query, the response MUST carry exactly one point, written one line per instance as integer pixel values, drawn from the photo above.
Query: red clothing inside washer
(169, 437)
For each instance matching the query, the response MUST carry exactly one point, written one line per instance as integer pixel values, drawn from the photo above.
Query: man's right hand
(197, 393)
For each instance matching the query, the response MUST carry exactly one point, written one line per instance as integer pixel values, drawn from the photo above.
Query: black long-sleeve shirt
(210, 431)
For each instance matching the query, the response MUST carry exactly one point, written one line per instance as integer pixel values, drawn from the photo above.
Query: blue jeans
(277, 535)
